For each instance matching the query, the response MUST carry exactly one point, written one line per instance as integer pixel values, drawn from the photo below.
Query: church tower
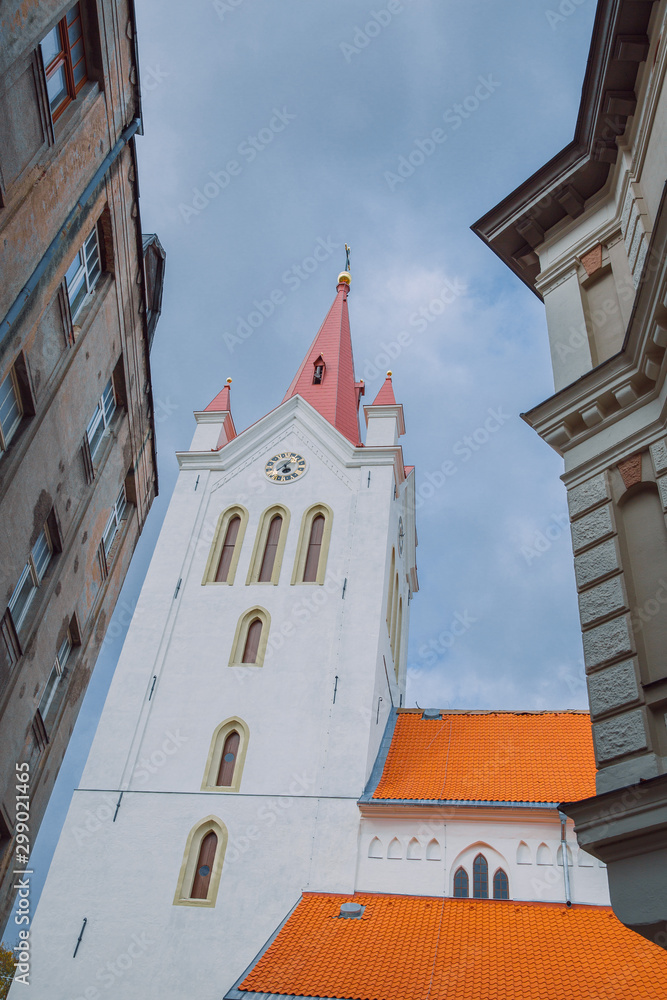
(266, 653)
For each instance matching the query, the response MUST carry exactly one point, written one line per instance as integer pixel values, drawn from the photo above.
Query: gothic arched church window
(501, 885)
(480, 877)
(461, 883)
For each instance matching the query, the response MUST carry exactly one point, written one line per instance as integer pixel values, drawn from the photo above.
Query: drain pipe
(563, 848)
(40, 270)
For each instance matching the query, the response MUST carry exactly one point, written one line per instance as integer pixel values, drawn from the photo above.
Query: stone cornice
(626, 382)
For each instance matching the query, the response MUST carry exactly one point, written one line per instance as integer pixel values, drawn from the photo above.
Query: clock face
(401, 536)
(285, 467)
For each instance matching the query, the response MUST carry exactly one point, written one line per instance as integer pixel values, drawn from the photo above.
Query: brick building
(80, 296)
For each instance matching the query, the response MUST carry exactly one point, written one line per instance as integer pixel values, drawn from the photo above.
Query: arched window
(228, 762)
(501, 885)
(226, 757)
(201, 868)
(310, 564)
(461, 883)
(204, 868)
(318, 371)
(250, 641)
(269, 546)
(375, 848)
(399, 627)
(390, 590)
(394, 612)
(314, 549)
(270, 549)
(226, 548)
(480, 878)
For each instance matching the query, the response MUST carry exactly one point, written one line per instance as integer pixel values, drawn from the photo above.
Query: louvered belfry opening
(270, 549)
(318, 373)
(228, 545)
(314, 550)
(228, 760)
(202, 879)
(251, 647)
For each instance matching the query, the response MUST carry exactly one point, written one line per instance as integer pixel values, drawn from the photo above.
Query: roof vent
(432, 713)
(351, 911)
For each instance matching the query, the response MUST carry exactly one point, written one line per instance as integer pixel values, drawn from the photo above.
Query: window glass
(269, 558)
(480, 878)
(51, 46)
(113, 524)
(461, 884)
(228, 550)
(10, 409)
(82, 274)
(501, 885)
(314, 549)
(101, 418)
(22, 597)
(41, 554)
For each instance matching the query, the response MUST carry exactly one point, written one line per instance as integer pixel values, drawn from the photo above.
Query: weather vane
(347, 257)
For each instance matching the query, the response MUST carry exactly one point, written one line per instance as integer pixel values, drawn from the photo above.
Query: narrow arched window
(227, 553)
(394, 612)
(390, 589)
(501, 885)
(202, 878)
(480, 877)
(318, 372)
(270, 549)
(251, 647)
(228, 760)
(314, 549)
(399, 625)
(461, 883)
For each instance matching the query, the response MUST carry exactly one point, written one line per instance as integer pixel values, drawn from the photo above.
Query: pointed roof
(336, 396)
(221, 402)
(385, 396)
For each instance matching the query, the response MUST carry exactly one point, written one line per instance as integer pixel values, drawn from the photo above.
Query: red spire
(385, 396)
(326, 376)
(223, 404)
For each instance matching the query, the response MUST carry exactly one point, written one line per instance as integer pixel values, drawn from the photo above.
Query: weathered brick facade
(77, 460)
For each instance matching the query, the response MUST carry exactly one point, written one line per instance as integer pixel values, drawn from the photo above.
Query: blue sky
(273, 129)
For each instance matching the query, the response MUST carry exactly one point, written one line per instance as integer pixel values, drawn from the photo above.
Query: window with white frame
(48, 704)
(11, 410)
(82, 274)
(101, 418)
(114, 522)
(31, 577)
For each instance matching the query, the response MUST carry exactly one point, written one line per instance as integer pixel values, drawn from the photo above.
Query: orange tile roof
(490, 756)
(425, 948)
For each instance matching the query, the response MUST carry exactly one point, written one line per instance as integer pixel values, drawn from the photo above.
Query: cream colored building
(587, 234)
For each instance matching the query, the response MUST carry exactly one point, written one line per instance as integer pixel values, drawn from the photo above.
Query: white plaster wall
(307, 760)
(462, 833)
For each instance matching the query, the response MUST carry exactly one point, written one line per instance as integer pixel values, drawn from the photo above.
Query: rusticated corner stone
(592, 527)
(621, 735)
(587, 495)
(596, 563)
(607, 641)
(613, 687)
(659, 456)
(599, 602)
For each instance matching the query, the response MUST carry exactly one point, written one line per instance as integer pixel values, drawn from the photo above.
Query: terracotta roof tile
(490, 757)
(426, 948)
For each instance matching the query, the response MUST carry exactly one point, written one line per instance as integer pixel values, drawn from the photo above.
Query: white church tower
(266, 652)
